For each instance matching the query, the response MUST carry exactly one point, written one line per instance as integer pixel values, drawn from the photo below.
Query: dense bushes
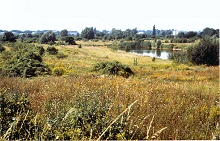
(52, 50)
(16, 117)
(205, 52)
(25, 61)
(1, 48)
(113, 68)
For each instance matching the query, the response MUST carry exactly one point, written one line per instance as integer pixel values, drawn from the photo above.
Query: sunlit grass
(181, 97)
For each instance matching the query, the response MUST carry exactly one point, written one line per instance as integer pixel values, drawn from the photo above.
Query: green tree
(181, 35)
(154, 32)
(70, 40)
(190, 34)
(48, 37)
(208, 32)
(158, 44)
(88, 33)
(9, 36)
(63, 33)
(206, 52)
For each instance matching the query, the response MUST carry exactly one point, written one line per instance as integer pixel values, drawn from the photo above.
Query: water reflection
(163, 54)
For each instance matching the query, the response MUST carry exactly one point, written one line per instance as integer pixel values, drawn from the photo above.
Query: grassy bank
(162, 100)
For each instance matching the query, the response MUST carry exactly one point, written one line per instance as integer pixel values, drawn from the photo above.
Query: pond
(163, 54)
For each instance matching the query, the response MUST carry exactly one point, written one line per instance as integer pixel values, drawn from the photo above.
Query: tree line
(90, 33)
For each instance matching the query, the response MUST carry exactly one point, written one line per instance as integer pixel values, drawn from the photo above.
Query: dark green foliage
(154, 32)
(79, 46)
(48, 37)
(16, 115)
(113, 68)
(158, 44)
(146, 45)
(1, 48)
(179, 57)
(88, 33)
(206, 52)
(70, 40)
(9, 36)
(24, 61)
(61, 56)
(63, 33)
(52, 50)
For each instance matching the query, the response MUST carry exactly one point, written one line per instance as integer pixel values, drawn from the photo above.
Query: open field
(181, 101)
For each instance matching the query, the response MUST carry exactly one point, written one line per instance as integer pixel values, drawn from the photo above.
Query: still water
(163, 54)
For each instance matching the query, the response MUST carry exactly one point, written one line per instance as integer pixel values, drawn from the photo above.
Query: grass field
(162, 100)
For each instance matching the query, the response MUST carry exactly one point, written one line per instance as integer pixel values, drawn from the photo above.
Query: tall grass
(163, 100)
(186, 112)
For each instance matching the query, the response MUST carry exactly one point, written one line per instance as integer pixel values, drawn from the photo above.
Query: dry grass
(179, 98)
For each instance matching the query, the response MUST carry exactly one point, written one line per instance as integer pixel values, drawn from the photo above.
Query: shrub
(179, 57)
(70, 40)
(16, 115)
(1, 48)
(61, 56)
(79, 46)
(52, 50)
(24, 62)
(58, 72)
(206, 52)
(113, 68)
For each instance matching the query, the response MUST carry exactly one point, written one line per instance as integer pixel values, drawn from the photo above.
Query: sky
(75, 15)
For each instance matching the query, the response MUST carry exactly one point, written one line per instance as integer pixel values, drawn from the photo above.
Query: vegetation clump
(24, 61)
(52, 50)
(113, 68)
(1, 48)
(205, 52)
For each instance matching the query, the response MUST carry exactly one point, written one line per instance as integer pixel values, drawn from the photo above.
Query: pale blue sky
(189, 15)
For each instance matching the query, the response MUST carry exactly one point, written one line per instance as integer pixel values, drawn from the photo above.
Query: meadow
(162, 100)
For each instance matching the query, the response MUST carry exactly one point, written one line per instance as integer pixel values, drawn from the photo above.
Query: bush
(61, 56)
(52, 50)
(179, 57)
(24, 62)
(16, 115)
(58, 72)
(79, 46)
(206, 52)
(1, 48)
(113, 68)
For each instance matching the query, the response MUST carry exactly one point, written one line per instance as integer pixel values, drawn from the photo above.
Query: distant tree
(29, 35)
(70, 40)
(168, 33)
(206, 52)
(9, 36)
(63, 33)
(48, 37)
(190, 34)
(88, 33)
(154, 32)
(162, 33)
(181, 35)
(116, 34)
(134, 32)
(208, 32)
(158, 44)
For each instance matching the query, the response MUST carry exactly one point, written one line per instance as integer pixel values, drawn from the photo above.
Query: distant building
(72, 33)
(175, 32)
